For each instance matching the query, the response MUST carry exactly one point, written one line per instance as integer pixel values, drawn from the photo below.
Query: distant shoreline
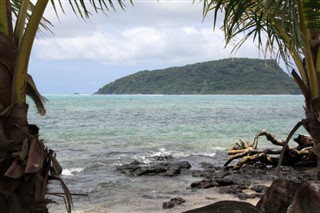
(226, 76)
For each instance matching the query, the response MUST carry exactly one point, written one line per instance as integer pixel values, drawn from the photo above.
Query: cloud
(133, 45)
(150, 31)
(149, 35)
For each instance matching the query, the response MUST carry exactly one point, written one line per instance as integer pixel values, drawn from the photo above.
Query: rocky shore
(249, 185)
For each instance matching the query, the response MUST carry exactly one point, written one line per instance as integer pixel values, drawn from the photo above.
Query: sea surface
(93, 134)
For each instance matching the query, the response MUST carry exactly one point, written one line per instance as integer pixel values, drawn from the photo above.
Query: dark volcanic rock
(278, 196)
(249, 177)
(204, 184)
(163, 157)
(227, 206)
(234, 190)
(167, 169)
(173, 202)
(244, 196)
(259, 188)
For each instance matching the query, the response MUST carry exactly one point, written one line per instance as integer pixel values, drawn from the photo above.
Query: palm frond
(288, 29)
(256, 18)
(33, 92)
(66, 195)
(312, 13)
(17, 7)
(4, 21)
(81, 8)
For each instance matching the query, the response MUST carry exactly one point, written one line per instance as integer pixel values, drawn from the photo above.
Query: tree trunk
(312, 125)
(23, 158)
(24, 165)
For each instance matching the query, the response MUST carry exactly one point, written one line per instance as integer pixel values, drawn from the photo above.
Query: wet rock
(167, 169)
(235, 182)
(168, 205)
(206, 165)
(172, 171)
(163, 157)
(306, 199)
(129, 168)
(183, 164)
(226, 181)
(173, 202)
(244, 196)
(210, 173)
(230, 190)
(278, 196)
(204, 184)
(259, 188)
(227, 206)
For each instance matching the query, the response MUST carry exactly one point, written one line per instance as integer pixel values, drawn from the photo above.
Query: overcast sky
(81, 57)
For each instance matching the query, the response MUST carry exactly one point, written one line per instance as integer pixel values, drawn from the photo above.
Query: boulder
(164, 168)
(278, 196)
(306, 199)
(227, 206)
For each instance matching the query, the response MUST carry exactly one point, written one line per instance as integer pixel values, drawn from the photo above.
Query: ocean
(93, 134)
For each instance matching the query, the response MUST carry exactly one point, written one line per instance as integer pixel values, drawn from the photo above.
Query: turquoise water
(93, 134)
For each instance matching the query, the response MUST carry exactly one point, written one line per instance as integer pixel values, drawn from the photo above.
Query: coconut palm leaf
(29, 18)
(292, 31)
(33, 92)
(66, 195)
(312, 13)
(283, 28)
(22, 10)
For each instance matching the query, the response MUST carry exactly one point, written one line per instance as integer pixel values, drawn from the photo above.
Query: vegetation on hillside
(227, 76)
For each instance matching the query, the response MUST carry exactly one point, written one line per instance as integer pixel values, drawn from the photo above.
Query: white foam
(71, 172)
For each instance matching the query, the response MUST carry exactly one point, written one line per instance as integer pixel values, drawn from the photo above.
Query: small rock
(163, 158)
(204, 184)
(206, 165)
(234, 189)
(244, 196)
(259, 188)
(173, 171)
(168, 205)
(173, 202)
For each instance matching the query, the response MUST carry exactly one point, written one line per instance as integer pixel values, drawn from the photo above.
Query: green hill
(227, 76)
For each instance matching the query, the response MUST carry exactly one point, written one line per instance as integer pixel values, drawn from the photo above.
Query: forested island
(226, 76)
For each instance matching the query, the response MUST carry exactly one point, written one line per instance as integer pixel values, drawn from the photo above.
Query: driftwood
(248, 152)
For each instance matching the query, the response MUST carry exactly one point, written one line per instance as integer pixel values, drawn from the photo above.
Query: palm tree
(288, 29)
(26, 165)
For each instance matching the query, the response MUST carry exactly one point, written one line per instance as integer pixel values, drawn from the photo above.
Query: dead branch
(260, 157)
(269, 137)
(248, 152)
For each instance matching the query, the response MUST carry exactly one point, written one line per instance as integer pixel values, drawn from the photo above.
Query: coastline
(152, 199)
(115, 130)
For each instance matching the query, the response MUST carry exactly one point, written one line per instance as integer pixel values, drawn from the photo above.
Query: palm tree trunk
(312, 125)
(23, 158)
(24, 163)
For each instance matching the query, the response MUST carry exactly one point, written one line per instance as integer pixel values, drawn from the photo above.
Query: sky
(82, 56)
